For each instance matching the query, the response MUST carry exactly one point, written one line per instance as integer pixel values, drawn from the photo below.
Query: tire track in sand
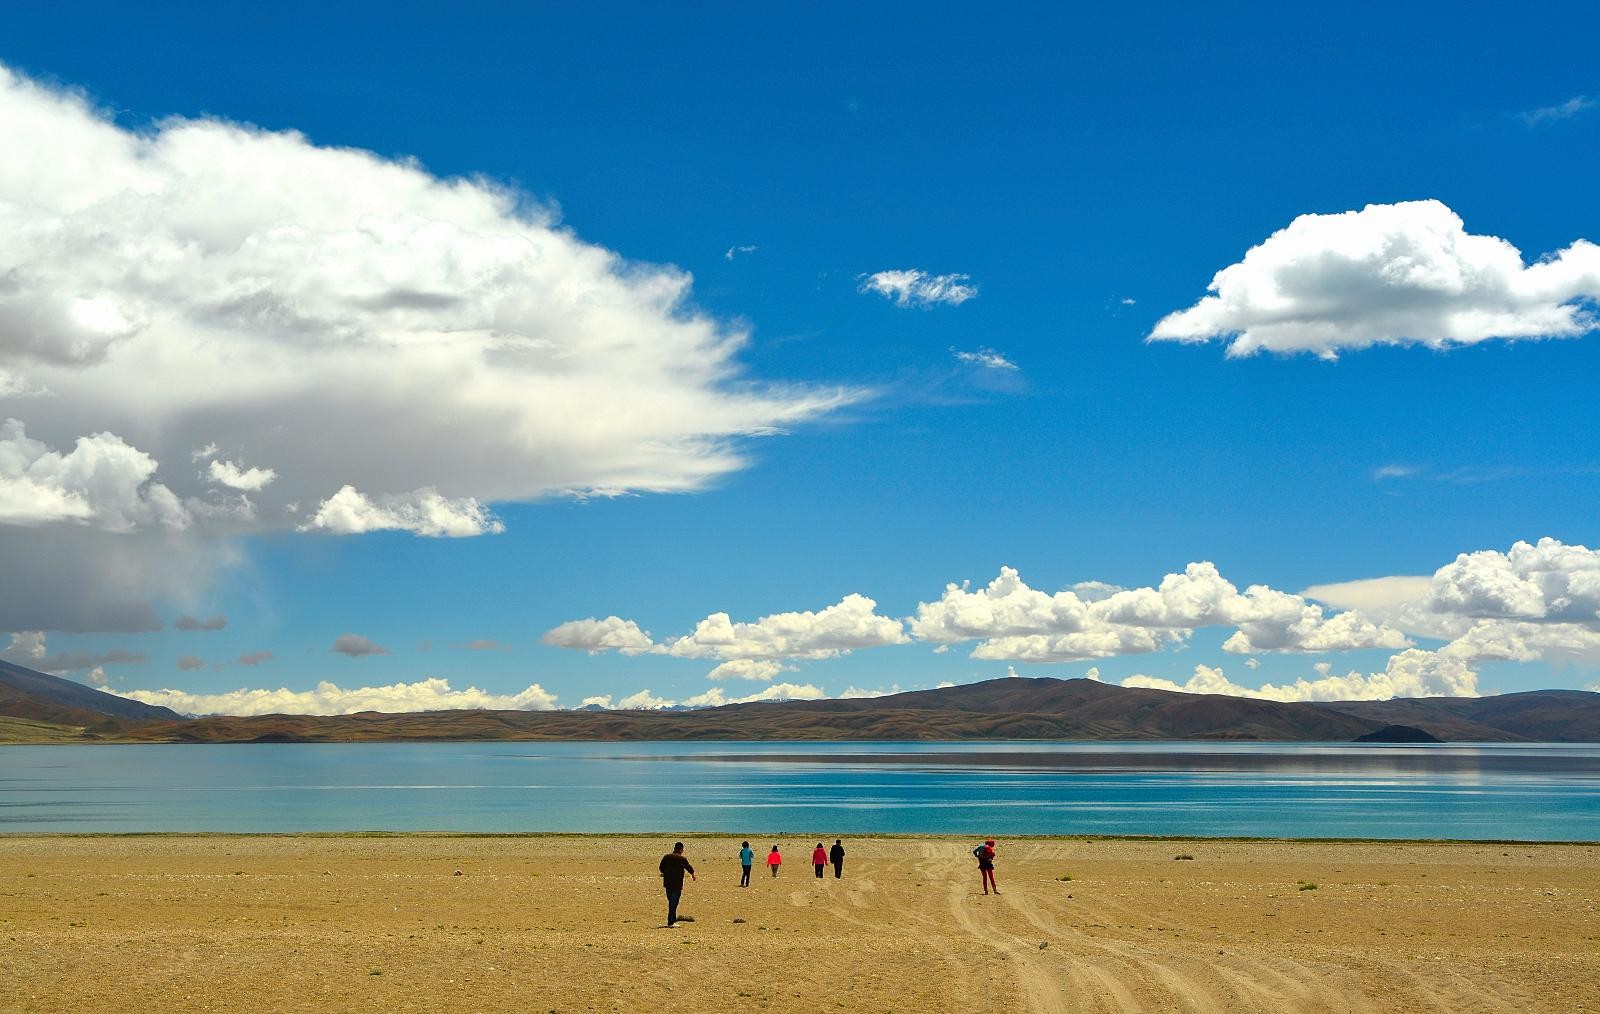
(1045, 985)
(1085, 972)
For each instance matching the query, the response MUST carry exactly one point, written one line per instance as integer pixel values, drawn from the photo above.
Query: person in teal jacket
(747, 859)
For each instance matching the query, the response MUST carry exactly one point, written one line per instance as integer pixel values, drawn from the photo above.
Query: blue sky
(1085, 174)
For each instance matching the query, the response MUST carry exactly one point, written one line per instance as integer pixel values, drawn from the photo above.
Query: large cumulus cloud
(1390, 274)
(206, 327)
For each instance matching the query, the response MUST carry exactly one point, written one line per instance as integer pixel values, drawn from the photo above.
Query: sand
(194, 923)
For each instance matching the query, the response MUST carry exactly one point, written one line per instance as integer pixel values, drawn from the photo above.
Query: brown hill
(997, 709)
(66, 693)
(1548, 716)
(32, 709)
(1003, 709)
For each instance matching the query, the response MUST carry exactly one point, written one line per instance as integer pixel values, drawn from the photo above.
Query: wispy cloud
(984, 358)
(1573, 107)
(1467, 475)
(735, 251)
(913, 287)
(1394, 472)
(255, 658)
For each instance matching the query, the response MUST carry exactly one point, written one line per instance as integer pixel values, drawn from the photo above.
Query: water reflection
(1529, 791)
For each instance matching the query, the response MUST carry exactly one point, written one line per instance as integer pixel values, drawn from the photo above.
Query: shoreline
(1087, 839)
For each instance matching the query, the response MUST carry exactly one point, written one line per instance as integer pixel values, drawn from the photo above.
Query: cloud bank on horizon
(1531, 603)
(1389, 274)
(1535, 601)
(191, 349)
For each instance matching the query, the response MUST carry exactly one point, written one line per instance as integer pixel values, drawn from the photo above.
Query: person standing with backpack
(985, 855)
(747, 859)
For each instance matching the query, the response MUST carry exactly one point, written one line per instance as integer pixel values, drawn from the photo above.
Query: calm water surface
(1532, 792)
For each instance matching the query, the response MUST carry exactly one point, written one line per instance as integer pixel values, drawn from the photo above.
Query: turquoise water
(1532, 792)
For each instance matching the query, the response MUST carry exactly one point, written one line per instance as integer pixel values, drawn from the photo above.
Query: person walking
(673, 866)
(985, 856)
(819, 858)
(747, 859)
(774, 860)
(836, 857)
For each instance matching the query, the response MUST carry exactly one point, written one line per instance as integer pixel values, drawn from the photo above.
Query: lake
(1535, 792)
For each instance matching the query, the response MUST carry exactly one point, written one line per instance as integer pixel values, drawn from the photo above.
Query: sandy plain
(537, 923)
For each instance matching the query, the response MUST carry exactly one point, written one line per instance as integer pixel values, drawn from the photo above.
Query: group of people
(820, 858)
(675, 864)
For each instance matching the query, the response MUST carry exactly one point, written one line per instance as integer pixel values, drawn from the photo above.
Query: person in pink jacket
(819, 858)
(774, 860)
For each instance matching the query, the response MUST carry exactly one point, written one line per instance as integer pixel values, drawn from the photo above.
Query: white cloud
(912, 287)
(1520, 641)
(1573, 107)
(102, 482)
(356, 646)
(735, 251)
(329, 699)
(1104, 642)
(746, 669)
(1411, 673)
(1534, 601)
(598, 701)
(984, 358)
(1395, 274)
(644, 700)
(716, 697)
(1549, 581)
(1014, 621)
(421, 512)
(97, 677)
(188, 622)
(231, 475)
(1375, 594)
(379, 327)
(594, 636)
(1313, 631)
(849, 624)
(855, 693)
(1005, 607)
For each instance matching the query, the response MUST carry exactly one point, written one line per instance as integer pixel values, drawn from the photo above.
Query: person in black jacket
(836, 857)
(673, 866)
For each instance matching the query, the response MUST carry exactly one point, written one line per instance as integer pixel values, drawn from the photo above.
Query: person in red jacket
(985, 856)
(819, 858)
(774, 860)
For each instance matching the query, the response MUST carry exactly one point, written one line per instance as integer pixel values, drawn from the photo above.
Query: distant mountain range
(1010, 708)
